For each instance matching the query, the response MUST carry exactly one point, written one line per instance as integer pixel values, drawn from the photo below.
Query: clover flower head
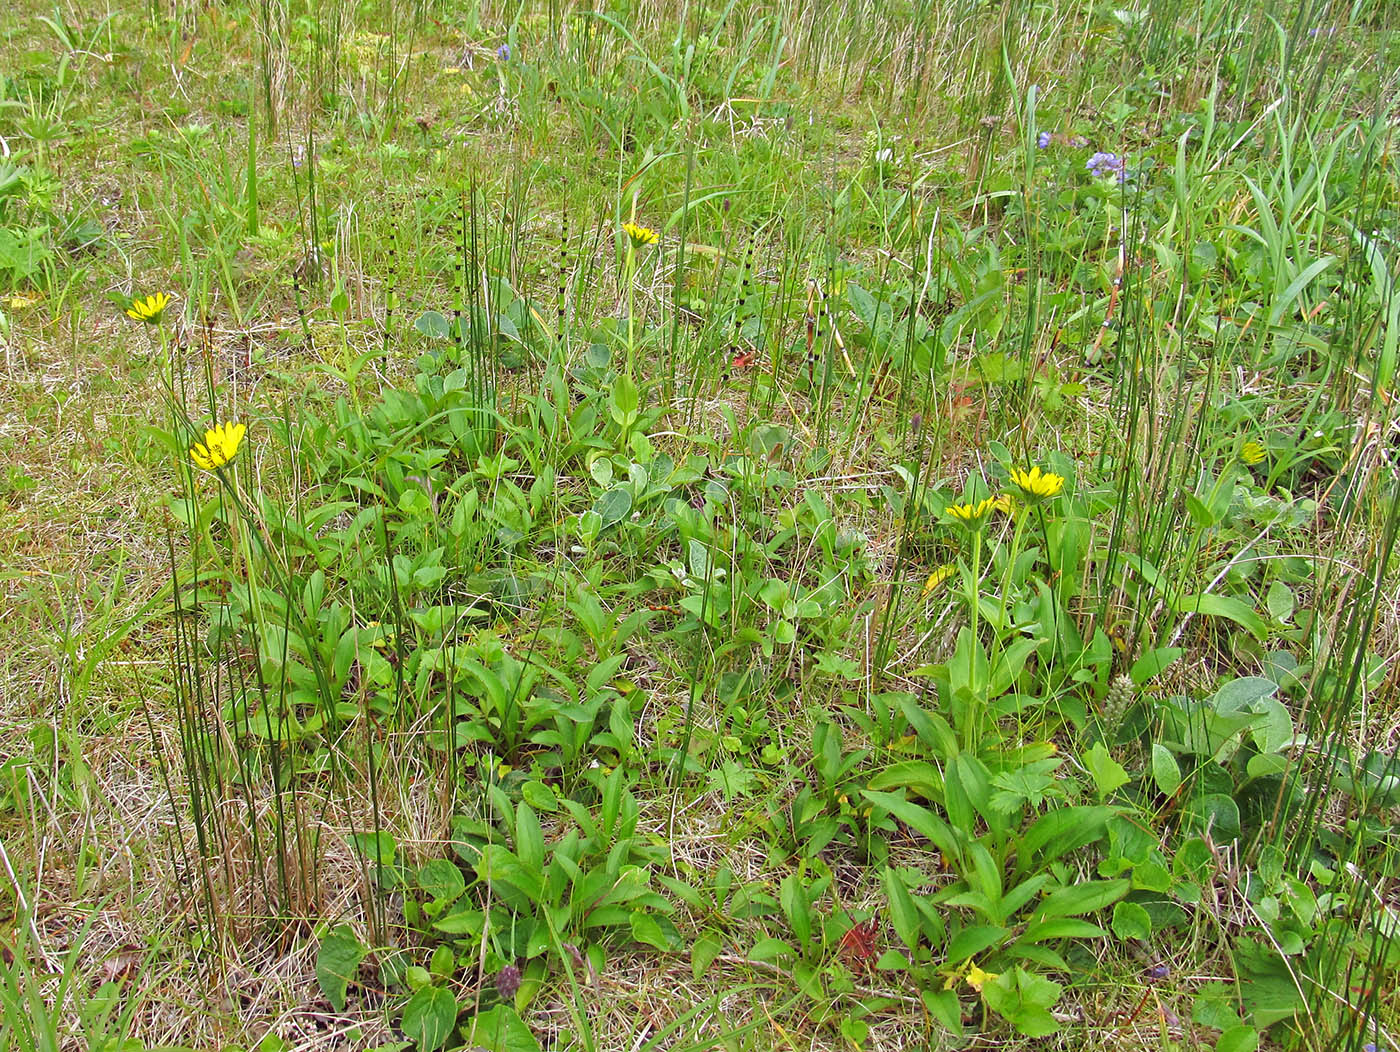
(1251, 453)
(149, 310)
(1044, 139)
(640, 236)
(1037, 485)
(220, 445)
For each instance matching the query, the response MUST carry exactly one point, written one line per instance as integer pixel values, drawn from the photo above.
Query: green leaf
(1279, 601)
(1084, 897)
(441, 880)
(1239, 695)
(974, 940)
(1108, 773)
(793, 895)
(613, 506)
(1060, 831)
(1238, 1038)
(919, 777)
(429, 1017)
(943, 1006)
(1024, 1000)
(501, 1030)
(904, 915)
(647, 931)
(919, 819)
(433, 325)
(702, 954)
(1165, 771)
(337, 961)
(1223, 606)
(1131, 921)
(1153, 664)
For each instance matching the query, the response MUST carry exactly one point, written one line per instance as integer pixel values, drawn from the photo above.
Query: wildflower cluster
(1043, 139)
(1102, 165)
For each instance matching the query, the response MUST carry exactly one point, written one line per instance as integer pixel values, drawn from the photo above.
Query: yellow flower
(150, 310)
(976, 977)
(220, 445)
(1036, 485)
(24, 300)
(640, 236)
(1251, 453)
(938, 576)
(972, 515)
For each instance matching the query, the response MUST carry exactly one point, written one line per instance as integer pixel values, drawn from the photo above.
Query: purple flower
(503, 52)
(1043, 140)
(1102, 165)
(1078, 142)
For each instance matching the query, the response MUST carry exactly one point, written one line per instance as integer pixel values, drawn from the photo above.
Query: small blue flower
(1102, 165)
(503, 52)
(1043, 139)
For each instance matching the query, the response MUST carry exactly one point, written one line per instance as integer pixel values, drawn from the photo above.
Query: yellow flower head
(1036, 485)
(150, 310)
(976, 977)
(640, 236)
(973, 515)
(938, 576)
(1251, 453)
(220, 445)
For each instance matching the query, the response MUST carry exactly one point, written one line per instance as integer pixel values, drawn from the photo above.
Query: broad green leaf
(501, 1030)
(337, 961)
(1224, 606)
(919, 777)
(1238, 695)
(429, 1017)
(441, 880)
(702, 953)
(1108, 773)
(1153, 664)
(1060, 831)
(1238, 1038)
(1131, 921)
(613, 506)
(920, 819)
(1165, 771)
(943, 1006)
(1084, 897)
(647, 931)
(972, 941)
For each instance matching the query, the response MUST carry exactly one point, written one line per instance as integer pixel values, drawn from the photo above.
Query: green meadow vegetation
(689, 524)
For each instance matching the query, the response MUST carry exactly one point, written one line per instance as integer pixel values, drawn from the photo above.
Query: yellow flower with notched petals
(1036, 485)
(640, 236)
(1251, 453)
(150, 310)
(938, 576)
(973, 515)
(220, 445)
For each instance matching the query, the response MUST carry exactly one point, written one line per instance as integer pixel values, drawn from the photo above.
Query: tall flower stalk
(638, 238)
